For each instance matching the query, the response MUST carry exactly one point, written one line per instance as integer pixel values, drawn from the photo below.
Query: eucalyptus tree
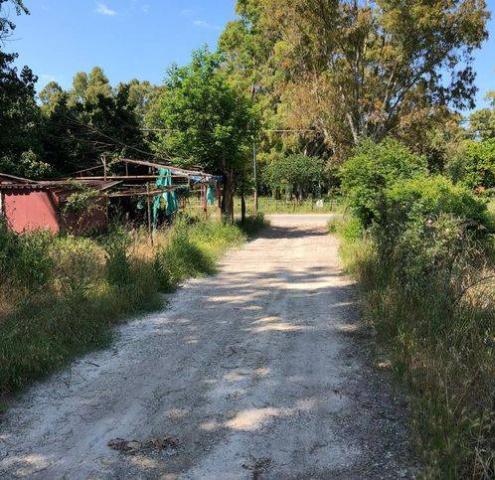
(348, 69)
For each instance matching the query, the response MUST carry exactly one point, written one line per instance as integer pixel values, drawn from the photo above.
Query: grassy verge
(60, 296)
(437, 326)
(269, 205)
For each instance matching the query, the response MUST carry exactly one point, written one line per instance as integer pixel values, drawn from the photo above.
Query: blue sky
(141, 38)
(127, 38)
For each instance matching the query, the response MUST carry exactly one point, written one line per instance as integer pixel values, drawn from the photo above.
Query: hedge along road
(255, 373)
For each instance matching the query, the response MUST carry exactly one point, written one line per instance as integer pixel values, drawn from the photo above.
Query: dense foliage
(201, 120)
(90, 120)
(482, 122)
(297, 175)
(348, 69)
(424, 255)
(372, 169)
(474, 165)
(20, 146)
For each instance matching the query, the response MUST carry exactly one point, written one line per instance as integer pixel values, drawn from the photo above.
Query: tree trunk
(228, 197)
(243, 208)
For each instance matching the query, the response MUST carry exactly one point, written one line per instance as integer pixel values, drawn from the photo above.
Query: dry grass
(60, 296)
(440, 336)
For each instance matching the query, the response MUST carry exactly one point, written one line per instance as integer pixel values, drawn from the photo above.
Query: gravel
(260, 372)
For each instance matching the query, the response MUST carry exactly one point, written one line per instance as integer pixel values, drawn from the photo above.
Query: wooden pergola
(138, 178)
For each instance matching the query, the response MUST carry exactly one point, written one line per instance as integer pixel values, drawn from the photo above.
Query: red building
(28, 205)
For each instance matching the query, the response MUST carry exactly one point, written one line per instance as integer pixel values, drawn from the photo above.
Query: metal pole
(255, 173)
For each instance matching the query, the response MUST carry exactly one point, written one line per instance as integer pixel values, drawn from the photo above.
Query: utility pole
(255, 165)
(255, 174)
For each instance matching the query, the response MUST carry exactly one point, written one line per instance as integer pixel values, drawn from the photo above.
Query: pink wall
(31, 211)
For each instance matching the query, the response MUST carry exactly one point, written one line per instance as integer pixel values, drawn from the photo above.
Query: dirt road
(257, 372)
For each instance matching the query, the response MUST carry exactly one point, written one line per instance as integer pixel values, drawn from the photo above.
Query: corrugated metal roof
(22, 187)
(9, 178)
(11, 184)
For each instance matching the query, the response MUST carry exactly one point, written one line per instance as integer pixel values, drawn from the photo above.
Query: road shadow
(271, 363)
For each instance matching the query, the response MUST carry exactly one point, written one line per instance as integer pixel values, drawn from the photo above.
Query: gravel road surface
(259, 372)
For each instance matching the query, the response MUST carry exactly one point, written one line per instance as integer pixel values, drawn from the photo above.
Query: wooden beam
(128, 177)
(159, 165)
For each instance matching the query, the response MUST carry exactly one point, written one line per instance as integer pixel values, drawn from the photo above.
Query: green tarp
(167, 199)
(210, 195)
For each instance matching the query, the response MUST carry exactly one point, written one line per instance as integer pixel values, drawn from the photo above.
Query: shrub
(414, 203)
(431, 196)
(433, 306)
(296, 174)
(182, 258)
(24, 260)
(77, 264)
(118, 267)
(374, 168)
(474, 166)
(252, 225)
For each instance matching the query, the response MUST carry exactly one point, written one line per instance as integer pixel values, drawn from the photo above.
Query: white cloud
(103, 9)
(203, 24)
(145, 8)
(187, 12)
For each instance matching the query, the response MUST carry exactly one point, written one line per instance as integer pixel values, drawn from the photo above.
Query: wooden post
(104, 160)
(204, 191)
(150, 228)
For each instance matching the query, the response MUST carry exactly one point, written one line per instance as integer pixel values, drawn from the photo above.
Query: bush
(373, 169)
(179, 260)
(252, 225)
(77, 264)
(118, 267)
(425, 263)
(417, 202)
(88, 286)
(433, 306)
(192, 250)
(24, 260)
(474, 166)
(298, 175)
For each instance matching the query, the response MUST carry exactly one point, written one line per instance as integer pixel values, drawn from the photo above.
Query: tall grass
(60, 295)
(433, 308)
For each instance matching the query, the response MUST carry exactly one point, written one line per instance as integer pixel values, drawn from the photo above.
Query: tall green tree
(89, 121)
(20, 146)
(142, 96)
(201, 120)
(349, 69)
(296, 175)
(482, 122)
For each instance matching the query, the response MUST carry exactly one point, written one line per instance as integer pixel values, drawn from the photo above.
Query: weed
(433, 306)
(60, 296)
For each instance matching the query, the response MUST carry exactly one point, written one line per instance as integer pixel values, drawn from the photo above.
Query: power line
(269, 130)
